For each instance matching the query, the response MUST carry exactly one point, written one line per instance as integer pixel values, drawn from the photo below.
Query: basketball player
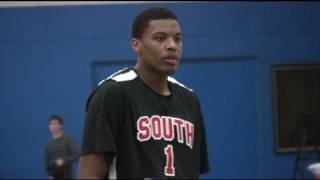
(140, 122)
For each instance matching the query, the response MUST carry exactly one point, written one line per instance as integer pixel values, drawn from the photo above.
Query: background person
(60, 151)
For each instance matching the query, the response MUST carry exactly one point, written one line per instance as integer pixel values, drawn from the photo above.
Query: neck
(57, 135)
(155, 81)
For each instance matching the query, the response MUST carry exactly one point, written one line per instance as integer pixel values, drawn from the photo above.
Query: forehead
(169, 26)
(54, 121)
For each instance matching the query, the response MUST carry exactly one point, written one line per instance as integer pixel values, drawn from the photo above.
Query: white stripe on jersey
(130, 75)
(111, 76)
(171, 79)
(113, 169)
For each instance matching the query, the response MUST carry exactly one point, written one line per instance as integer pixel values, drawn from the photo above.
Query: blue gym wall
(51, 56)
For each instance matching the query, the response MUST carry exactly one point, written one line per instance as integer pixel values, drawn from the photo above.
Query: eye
(160, 38)
(178, 39)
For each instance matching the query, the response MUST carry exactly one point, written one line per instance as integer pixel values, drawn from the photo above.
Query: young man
(60, 151)
(141, 123)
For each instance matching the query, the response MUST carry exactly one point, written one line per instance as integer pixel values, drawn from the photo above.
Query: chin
(169, 70)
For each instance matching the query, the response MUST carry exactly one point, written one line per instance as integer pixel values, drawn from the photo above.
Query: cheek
(180, 47)
(152, 50)
(54, 127)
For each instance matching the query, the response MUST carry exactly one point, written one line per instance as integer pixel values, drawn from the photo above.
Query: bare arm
(92, 166)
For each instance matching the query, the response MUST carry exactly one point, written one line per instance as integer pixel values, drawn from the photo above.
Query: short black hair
(55, 117)
(143, 18)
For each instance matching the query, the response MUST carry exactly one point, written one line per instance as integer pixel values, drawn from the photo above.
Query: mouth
(171, 60)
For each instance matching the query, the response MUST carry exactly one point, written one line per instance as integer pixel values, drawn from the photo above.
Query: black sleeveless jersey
(145, 134)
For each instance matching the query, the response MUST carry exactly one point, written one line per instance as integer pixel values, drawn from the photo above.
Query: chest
(57, 147)
(151, 117)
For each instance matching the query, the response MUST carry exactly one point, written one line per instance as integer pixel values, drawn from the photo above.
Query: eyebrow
(164, 33)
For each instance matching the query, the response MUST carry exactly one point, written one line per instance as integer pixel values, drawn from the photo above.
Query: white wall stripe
(7, 4)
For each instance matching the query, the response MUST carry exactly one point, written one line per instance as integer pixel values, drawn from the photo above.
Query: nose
(171, 45)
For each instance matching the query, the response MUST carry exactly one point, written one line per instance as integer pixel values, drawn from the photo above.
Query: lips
(171, 60)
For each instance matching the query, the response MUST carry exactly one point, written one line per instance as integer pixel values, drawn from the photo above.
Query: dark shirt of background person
(60, 152)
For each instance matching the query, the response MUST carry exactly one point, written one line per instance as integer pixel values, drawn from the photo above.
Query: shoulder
(67, 137)
(126, 74)
(187, 92)
(110, 87)
(49, 143)
(113, 82)
(179, 84)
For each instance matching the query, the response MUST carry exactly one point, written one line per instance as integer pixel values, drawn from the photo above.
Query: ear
(136, 46)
